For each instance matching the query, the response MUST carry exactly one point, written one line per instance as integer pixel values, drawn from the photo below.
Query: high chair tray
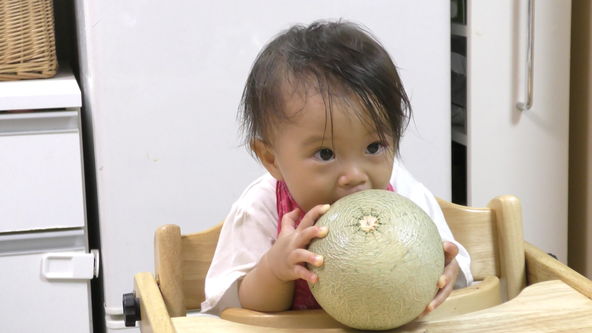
(556, 298)
(549, 306)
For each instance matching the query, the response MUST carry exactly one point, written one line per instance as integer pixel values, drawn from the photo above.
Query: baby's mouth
(348, 192)
(354, 190)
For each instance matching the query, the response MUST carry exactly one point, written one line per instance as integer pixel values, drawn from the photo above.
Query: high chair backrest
(491, 235)
(494, 239)
(181, 264)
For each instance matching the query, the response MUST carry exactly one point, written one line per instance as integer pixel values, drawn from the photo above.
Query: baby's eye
(375, 148)
(325, 154)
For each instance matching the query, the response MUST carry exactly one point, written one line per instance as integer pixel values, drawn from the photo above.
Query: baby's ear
(267, 157)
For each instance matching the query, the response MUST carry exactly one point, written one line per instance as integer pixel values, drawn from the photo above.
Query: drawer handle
(70, 265)
(524, 106)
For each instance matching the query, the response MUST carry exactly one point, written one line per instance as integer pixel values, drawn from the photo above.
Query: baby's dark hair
(329, 56)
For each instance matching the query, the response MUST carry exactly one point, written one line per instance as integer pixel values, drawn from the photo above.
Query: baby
(323, 110)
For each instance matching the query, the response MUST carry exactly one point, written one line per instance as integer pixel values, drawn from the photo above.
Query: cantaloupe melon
(383, 256)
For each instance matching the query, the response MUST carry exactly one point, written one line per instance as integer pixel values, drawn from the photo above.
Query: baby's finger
(300, 256)
(289, 220)
(450, 252)
(303, 273)
(312, 216)
(439, 299)
(307, 235)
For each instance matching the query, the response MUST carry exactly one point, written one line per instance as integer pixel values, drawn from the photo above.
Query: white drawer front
(31, 303)
(41, 184)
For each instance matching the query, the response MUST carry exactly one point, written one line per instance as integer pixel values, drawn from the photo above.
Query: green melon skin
(377, 276)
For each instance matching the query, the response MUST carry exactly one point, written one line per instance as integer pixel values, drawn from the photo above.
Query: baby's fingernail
(323, 231)
(442, 281)
(325, 208)
(318, 260)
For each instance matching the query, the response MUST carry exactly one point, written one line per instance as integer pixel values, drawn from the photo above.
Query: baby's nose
(352, 176)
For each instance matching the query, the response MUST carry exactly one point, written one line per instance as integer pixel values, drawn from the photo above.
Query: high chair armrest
(540, 266)
(154, 315)
(482, 295)
(301, 319)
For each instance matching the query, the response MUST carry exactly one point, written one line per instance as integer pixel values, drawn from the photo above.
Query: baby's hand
(447, 280)
(288, 255)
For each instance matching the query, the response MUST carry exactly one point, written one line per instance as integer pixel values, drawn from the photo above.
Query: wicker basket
(27, 40)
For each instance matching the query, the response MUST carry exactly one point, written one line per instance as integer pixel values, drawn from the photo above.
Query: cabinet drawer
(40, 172)
(31, 303)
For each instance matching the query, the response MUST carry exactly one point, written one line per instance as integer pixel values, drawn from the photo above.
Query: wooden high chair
(501, 264)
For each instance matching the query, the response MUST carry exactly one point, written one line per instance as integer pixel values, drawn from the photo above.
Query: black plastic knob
(131, 309)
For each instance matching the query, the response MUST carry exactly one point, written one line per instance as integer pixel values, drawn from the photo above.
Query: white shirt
(250, 229)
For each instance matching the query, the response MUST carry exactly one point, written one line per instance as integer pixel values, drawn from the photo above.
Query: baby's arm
(269, 286)
(447, 279)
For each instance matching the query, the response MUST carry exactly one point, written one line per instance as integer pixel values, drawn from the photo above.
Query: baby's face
(323, 159)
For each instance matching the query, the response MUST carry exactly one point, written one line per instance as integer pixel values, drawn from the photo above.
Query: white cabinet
(32, 302)
(509, 151)
(41, 171)
(44, 254)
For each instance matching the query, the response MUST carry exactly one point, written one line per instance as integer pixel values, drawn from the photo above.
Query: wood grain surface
(550, 306)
